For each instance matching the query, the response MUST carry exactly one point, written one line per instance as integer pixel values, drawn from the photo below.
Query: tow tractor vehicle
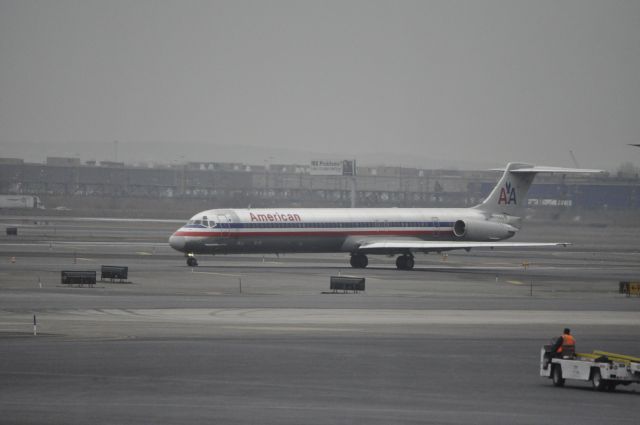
(604, 370)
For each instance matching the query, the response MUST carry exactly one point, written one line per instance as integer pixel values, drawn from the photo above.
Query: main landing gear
(191, 260)
(405, 262)
(359, 261)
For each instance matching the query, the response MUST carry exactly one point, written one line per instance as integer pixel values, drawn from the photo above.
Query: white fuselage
(323, 229)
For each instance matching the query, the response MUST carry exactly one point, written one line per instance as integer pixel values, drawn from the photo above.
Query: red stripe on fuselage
(321, 233)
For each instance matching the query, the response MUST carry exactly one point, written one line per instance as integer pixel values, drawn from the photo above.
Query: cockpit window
(195, 223)
(208, 222)
(200, 222)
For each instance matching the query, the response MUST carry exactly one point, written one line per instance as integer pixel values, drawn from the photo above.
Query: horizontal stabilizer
(545, 169)
(563, 170)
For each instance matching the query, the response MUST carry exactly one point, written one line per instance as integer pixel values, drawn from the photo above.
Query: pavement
(261, 339)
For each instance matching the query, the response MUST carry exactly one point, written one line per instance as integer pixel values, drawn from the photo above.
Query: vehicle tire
(192, 262)
(556, 376)
(611, 386)
(597, 382)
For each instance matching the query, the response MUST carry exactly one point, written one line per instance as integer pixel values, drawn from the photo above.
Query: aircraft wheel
(359, 261)
(556, 376)
(404, 262)
(409, 263)
(192, 262)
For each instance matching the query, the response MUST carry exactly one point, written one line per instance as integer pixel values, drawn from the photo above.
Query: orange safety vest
(567, 341)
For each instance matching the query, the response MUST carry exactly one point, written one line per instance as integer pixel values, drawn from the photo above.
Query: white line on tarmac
(220, 274)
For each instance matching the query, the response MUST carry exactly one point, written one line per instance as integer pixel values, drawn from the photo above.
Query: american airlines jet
(367, 231)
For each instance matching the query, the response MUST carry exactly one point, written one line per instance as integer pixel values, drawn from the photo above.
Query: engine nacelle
(476, 230)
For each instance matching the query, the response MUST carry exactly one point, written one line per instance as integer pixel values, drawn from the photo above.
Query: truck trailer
(20, 202)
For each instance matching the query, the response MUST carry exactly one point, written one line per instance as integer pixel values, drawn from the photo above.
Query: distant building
(62, 161)
(14, 161)
(112, 164)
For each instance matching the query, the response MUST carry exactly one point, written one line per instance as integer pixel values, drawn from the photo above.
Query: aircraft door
(224, 224)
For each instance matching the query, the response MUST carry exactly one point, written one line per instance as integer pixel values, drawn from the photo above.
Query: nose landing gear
(191, 260)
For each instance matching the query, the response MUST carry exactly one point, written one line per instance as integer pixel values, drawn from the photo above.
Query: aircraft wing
(426, 246)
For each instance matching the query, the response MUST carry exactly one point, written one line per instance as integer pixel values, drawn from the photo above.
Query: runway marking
(220, 274)
(286, 328)
(515, 282)
(144, 253)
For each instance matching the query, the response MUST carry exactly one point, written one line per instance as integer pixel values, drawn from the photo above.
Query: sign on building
(333, 168)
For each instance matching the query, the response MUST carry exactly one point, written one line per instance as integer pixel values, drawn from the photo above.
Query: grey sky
(482, 82)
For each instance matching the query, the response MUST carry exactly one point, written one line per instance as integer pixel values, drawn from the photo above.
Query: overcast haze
(452, 83)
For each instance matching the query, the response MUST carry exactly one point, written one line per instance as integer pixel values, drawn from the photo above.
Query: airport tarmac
(260, 339)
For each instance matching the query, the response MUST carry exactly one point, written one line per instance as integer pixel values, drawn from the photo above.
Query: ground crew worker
(565, 345)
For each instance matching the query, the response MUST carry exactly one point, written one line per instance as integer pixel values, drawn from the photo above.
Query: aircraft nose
(177, 242)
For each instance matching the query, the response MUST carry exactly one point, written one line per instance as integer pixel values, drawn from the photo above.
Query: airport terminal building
(115, 188)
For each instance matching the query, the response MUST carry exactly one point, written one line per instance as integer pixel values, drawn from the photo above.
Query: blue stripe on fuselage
(334, 225)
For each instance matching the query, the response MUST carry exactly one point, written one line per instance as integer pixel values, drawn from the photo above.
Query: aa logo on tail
(507, 195)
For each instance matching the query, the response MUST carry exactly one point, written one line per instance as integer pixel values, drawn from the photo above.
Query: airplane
(368, 231)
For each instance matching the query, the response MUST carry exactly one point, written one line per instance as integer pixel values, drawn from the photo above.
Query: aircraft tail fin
(509, 196)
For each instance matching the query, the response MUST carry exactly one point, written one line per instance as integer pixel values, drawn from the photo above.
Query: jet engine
(476, 230)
